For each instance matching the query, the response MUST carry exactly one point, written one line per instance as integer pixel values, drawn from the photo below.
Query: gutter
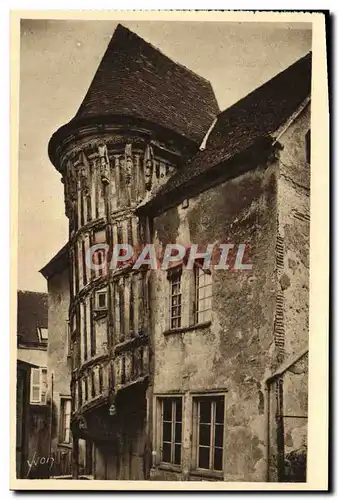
(278, 373)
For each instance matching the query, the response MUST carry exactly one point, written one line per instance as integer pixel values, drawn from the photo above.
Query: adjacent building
(32, 411)
(182, 374)
(58, 363)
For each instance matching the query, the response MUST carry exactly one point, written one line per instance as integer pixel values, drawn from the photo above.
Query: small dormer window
(42, 334)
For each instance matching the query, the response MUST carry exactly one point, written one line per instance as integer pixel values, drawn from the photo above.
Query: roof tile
(255, 116)
(134, 78)
(32, 313)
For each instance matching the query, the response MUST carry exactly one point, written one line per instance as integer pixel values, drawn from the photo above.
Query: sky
(58, 60)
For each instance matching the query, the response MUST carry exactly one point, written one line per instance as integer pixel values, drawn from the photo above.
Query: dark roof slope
(136, 79)
(255, 116)
(57, 264)
(32, 313)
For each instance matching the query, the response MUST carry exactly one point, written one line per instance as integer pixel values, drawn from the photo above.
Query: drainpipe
(267, 428)
(283, 368)
(51, 416)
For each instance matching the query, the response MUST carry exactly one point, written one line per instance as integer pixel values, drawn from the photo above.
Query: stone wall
(36, 357)
(58, 351)
(294, 227)
(236, 351)
(293, 274)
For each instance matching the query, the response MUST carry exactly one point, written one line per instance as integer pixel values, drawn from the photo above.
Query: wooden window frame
(198, 274)
(196, 400)
(175, 322)
(71, 334)
(102, 291)
(42, 338)
(174, 399)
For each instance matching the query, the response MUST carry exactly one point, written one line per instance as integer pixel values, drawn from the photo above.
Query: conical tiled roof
(136, 79)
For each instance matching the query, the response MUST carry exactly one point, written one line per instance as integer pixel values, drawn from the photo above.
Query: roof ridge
(240, 126)
(267, 82)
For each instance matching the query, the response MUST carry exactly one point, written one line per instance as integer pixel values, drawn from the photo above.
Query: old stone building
(32, 418)
(56, 273)
(183, 374)
(59, 371)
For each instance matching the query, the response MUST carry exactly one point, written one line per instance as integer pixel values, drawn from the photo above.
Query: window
(100, 255)
(85, 380)
(92, 384)
(101, 300)
(38, 386)
(203, 296)
(89, 207)
(43, 334)
(171, 430)
(65, 424)
(100, 260)
(209, 432)
(101, 379)
(83, 257)
(70, 329)
(175, 298)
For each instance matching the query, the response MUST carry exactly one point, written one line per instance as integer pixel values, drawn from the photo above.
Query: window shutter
(43, 385)
(35, 385)
(67, 420)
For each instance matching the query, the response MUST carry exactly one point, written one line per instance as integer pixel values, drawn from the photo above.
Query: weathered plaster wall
(293, 274)
(237, 350)
(58, 360)
(36, 357)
